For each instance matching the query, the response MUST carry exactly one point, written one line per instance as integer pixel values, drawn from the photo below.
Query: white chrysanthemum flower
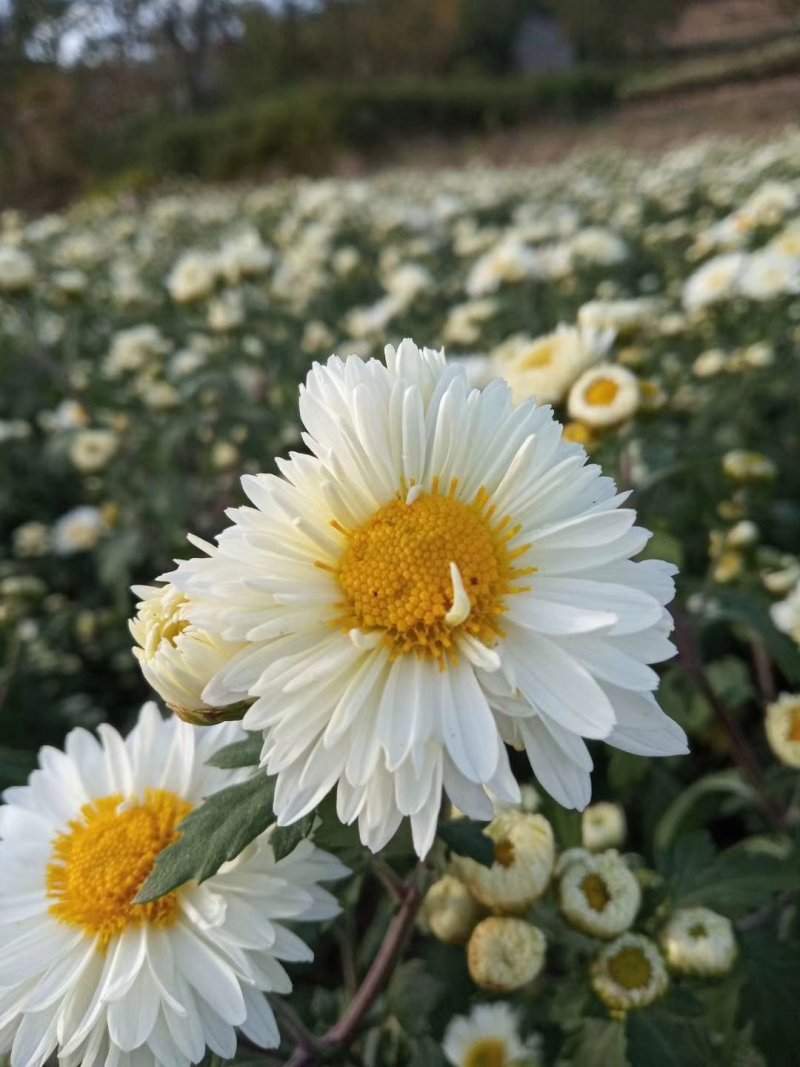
(489, 1037)
(717, 279)
(599, 895)
(78, 530)
(699, 941)
(524, 854)
(783, 726)
(768, 274)
(450, 911)
(604, 396)
(597, 244)
(505, 954)
(443, 573)
(193, 277)
(92, 450)
(507, 261)
(90, 974)
(629, 974)
(742, 466)
(603, 826)
(17, 270)
(546, 367)
(176, 657)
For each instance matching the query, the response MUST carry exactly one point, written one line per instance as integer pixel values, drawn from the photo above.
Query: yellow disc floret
(486, 1052)
(101, 862)
(602, 391)
(426, 566)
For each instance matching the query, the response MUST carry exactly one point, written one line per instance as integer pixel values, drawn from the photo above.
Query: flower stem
(345, 1030)
(740, 747)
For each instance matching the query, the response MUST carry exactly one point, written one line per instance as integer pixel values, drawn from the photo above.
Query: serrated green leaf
(285, 839)
(217, 831)
(245, 753)
(412, 996)
(730, 680)
(772, 994)
(728, 782)
(593, 1042)
(670, 1033)
(736, 607)
(467, 838)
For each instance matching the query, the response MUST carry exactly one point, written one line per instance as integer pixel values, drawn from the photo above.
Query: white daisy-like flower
(599, 895)
(442, 574)
(89, 974)
(489, 1037)
(604, 396)
(176, 658)
(545, 367)
(699, 941)
(717, 279)
(603, 826)
(629, 974)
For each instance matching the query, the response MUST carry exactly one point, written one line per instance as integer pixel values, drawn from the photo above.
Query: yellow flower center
(596, 892)
(504, 853)
(427, 567)
(542, 355)
(794, 724)
(99, 865)
(698, 931)
(486, 1052)
(601, 392)
(630, 968)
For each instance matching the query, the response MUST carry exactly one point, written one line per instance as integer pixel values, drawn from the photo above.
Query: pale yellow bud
(505, 954)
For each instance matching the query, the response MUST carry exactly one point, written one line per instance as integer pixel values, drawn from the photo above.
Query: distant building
(542, 46)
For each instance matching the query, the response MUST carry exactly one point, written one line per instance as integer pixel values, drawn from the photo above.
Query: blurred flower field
(150, 355)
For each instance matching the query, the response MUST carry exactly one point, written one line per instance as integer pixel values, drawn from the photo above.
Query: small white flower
(17, 270)
(546, 367)
(629, 974)
(768, 275)
(699, 941)
(88, 974)
(489, 1037)
(599, 895)
(604, 396)
(78, 530)
(603, 826)
(505, 954)
(193, 277)
(92, 450)
(718, 279)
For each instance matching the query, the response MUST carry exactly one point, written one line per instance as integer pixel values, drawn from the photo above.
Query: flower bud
(524, 854)
(603, 826)
(505, 954)
(783, 728)
(699, 941)
(177, 658)
(629, 973)
(599, 895)
(450, 911)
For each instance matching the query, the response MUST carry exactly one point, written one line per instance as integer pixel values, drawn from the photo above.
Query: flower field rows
(151, 354)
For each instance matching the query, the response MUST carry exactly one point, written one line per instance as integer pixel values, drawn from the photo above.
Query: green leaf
(285, 839)
(735, 607)
(412, 996)
(730, 680)
(425, 1052)
(772, 994)
(740, 879)
(467, 838)
(245, 753)
(728, 782)
(217, 831)
(670, 1033)
(593, 1042)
